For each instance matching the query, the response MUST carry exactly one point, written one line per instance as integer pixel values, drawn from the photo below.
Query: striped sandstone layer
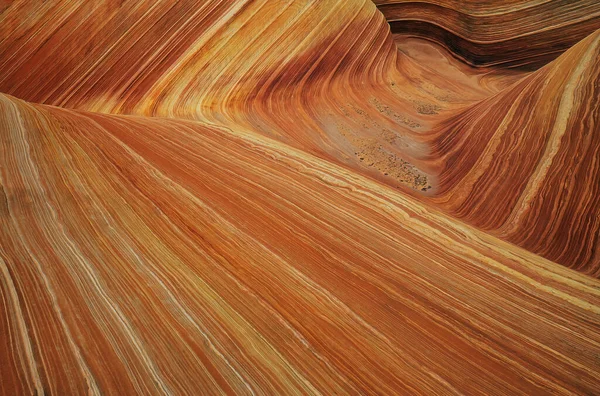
(524, 163)
(259, 196)
(341, 90)
(147, 255)
(508, 33)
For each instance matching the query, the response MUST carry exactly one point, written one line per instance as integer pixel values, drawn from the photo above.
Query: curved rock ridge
(116, 58)
(339, 90)
(145, 255)
(524, 163)
(286, 70)
(517, 33)
(324, 77)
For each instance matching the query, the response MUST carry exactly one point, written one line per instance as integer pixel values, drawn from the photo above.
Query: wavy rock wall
(258, 196)
(523, 163)
(513, 33)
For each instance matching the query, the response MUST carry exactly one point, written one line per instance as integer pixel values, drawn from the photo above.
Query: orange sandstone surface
(290, 197)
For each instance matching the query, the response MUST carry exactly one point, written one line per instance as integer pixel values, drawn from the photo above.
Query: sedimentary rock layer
(340, 90)
(258, 196)
(516, 33)
(523, 163)
(152, 255)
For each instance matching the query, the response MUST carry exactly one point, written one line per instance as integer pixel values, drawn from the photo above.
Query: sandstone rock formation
(504, 33)
(283, 197)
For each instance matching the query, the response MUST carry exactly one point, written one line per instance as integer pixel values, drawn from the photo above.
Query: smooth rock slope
(149, 255)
